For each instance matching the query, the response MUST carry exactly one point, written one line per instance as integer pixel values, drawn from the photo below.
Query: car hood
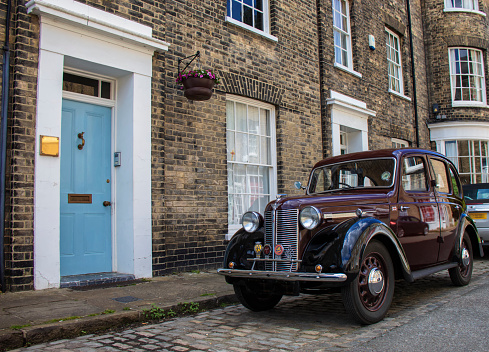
(329, 200)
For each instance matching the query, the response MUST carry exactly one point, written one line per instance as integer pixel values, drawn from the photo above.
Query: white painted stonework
(457, 130)
(77, 36)
(353, 114)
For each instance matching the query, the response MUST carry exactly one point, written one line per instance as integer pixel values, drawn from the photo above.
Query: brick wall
(394, 115)
(452, 29)
(19, 261)
(283, 73)
(189, 167)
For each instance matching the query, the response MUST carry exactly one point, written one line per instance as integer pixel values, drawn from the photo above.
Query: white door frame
(79, 36)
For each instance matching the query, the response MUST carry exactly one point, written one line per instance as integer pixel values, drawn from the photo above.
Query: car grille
(285, 231)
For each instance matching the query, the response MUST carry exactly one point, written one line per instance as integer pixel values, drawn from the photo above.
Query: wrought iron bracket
(192, 57)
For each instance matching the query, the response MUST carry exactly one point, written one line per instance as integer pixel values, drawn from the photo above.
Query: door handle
(403, 208)
(106, 203)
(80, 135)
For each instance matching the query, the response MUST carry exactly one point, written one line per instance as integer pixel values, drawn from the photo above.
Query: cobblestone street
(306, 323)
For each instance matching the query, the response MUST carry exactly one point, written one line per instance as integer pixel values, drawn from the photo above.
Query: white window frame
(454, 76)
(273, 151)
(466, 6)
(392, 48)
(474, 171)
(343, 31)
(399, 143)
(266, 20)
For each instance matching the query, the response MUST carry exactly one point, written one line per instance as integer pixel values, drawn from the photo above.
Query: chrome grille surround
(282, 227)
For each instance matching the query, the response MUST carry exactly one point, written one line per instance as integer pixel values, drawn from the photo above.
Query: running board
(428, 271)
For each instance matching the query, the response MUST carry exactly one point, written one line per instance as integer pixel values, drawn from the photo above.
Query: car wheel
(462, 274)
(255, 298)
(368, 297)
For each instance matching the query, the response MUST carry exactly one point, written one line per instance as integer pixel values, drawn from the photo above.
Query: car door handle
(106, 203)
(403, 208)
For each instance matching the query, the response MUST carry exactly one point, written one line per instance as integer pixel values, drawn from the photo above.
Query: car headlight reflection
(251, 221)
(310, 217)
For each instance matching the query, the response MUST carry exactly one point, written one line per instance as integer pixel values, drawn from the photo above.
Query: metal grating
(284, 230)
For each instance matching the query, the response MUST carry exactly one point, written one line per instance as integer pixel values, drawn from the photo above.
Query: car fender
(241, 247)
(466, 224)
(343, 246)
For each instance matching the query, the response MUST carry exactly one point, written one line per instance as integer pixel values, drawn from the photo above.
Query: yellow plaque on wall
(49, 146)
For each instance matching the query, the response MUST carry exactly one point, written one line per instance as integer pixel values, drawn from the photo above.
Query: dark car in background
(477, 199)
(365, 220)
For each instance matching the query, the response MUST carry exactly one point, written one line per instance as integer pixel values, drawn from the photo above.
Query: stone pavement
(34, 317)
(305, 323)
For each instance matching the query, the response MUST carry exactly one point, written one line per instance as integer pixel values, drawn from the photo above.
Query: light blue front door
(85, 221)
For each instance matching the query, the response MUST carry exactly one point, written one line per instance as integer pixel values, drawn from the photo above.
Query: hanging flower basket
(198, 84)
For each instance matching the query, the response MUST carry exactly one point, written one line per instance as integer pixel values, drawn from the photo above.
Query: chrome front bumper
(283, 275)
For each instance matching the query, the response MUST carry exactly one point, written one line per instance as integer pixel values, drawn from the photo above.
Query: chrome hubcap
(375, 281)
(465, 256)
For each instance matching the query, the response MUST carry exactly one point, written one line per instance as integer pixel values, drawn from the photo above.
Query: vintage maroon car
(366, 219)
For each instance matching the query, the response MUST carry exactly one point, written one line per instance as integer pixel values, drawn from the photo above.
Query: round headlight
(310, 217)
(251, 221)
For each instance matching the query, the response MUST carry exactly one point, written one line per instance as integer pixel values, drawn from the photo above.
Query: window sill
(251, 29)
(466, 10)
(348, 70)
(397, 94)
(468, 104)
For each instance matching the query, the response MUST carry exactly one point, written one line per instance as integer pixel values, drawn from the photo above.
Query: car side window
(455, 182)
(440, 171)
(413, 174)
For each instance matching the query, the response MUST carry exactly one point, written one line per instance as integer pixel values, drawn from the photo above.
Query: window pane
(248, 15)
(105, 91)
(259, 5)
(241, 117)
(259, 20)
(441, 178)
(264, 122)
(253, 149)
(253, 120)
(241, 147)
(236, 11)
(231, 145)
(230, 115)
(80, 85)
(413, 174)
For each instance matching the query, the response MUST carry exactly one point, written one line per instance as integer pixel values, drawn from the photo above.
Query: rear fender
(466, 224)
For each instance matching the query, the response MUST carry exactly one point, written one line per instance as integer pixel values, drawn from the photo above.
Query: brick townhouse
(112, 171)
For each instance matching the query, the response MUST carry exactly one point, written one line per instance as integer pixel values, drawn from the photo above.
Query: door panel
(418, 224)
(450, 206)
(85, 242)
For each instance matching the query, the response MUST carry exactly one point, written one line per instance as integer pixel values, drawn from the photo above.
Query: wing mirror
(298, 185)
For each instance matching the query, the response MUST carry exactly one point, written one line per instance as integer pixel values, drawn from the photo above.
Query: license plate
(478, 216)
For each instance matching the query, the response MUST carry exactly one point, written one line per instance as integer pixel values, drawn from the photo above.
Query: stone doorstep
(33, 335)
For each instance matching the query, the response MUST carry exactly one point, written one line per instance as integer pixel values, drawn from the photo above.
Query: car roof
(381, 153)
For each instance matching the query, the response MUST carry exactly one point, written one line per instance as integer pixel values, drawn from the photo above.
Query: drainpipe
(415, 100)
(3, 140)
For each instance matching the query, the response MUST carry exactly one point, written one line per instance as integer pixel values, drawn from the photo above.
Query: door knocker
(80, 135)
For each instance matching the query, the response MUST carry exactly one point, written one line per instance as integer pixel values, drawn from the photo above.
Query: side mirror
(298, 185)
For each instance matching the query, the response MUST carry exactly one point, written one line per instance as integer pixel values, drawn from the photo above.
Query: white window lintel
(96, 20)
(350, 103)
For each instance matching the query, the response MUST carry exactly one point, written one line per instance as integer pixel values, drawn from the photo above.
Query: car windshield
(353, 174)
(476, 192)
